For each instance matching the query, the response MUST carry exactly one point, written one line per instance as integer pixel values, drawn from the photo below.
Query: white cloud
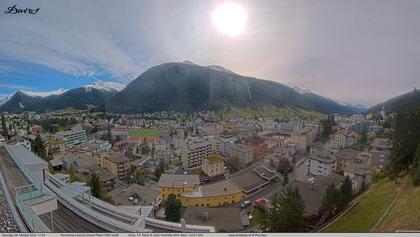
(352, 51)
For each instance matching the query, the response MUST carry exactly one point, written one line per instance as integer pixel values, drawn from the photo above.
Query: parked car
(245, 204)
(260, 201)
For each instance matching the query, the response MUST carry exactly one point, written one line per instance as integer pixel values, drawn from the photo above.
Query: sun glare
(230, 18)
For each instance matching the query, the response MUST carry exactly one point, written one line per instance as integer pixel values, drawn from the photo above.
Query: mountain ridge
(188, 87)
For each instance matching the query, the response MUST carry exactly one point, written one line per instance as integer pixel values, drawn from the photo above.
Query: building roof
(240, 147)
(358, 170)
(56, 162)
(213, 159)
(222, 218)
(178, 180)
(248, 179)
(27, 158)
(82, 160)
(312, 195)
(222, 188)
(347, 154)
(116, 157)
(327, 180)
(120, 195)
(381, 142)
(323, 158)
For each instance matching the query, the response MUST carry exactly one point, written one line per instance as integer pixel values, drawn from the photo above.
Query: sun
(230, 18)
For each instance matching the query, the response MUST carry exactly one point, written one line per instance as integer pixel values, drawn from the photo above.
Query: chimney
(312, 185)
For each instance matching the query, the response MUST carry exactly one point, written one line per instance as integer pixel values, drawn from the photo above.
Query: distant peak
(188, 62)
(106, 86)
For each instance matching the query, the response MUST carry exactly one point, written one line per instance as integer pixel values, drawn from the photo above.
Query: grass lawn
(367, 212)
(405, 214)
(143, 133)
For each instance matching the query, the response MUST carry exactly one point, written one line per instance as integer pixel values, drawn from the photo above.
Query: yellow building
(177, 184)
(213, 195)
(213, 165)
(115, 163)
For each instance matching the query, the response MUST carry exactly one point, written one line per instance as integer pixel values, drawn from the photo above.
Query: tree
(330, 200)
(72, 173)
(38, 147)
(173, 209)
(327, 125)
(96, 190)
(3, 126)
(415, 170)
(286, 213)
(141, 177)
(363, 137)
(109, 135)
(345, 193)
(160, 170)
(145, 149)
(405, 138)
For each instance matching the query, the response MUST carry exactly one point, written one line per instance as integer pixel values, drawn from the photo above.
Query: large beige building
(343, 139)
(115, 163)
(304, 138)
(213, 165)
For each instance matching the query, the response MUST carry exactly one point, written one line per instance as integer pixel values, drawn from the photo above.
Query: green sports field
(143, 133)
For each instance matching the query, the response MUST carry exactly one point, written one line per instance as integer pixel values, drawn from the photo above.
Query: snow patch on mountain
(302, 91)
(220, 69)
(106, 86)
(42, 94)
(7, 98)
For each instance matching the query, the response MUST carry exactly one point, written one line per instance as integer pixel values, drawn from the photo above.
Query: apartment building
(72, 137)
(244, 153)
(224, 141)
(343, 139)
(304, 137)
(196, 150)
(213, 165)
(258, 144)
(115, 163)
(322, 165)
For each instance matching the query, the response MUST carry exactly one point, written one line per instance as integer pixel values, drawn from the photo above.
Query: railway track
(67, 221)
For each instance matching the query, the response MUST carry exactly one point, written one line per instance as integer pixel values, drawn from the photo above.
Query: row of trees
(405, 142)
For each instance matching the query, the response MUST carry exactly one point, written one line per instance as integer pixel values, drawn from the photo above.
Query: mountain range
(180, 86)
(93, 95)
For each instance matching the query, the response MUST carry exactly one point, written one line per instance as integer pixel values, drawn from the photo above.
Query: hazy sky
(359, 51)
